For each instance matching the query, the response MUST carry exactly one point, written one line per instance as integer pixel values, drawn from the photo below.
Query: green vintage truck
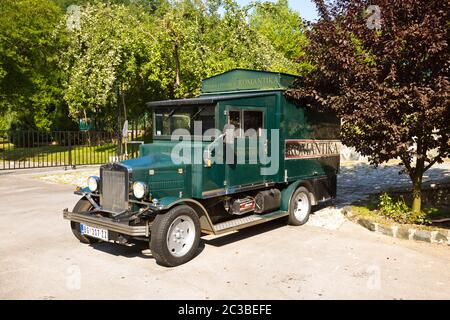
(238, 155)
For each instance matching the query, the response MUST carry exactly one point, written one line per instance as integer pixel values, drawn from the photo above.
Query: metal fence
(34, 149)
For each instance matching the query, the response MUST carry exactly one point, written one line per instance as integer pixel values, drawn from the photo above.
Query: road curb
(438, 236)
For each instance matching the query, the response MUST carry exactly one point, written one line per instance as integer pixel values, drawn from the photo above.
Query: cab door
(243, 168)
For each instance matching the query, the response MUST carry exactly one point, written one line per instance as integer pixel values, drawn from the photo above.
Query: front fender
(168, 202)
(206, 224)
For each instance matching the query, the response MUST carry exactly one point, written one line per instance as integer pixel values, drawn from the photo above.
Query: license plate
(94, 232)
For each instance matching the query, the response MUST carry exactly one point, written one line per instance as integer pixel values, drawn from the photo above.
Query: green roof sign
(247, 80)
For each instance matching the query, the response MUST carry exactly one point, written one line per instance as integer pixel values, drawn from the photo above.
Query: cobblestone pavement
(357, 181)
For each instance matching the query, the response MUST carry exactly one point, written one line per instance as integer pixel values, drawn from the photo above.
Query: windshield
(169, 119)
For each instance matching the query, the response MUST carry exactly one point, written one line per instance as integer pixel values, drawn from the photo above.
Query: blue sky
(306, 8)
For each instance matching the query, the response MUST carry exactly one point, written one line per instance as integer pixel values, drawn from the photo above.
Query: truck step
(247, 221)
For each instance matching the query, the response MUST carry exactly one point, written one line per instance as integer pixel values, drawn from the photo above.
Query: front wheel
(299, 207)
(82, 205)
(175, 236)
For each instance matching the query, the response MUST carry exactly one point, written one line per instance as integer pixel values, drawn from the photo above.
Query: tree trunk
(417, 192)
(417, 176)
(177, 65)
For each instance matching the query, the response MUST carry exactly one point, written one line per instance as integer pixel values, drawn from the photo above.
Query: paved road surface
(40, 259)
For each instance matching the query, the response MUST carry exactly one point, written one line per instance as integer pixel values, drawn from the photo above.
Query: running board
(241, 223)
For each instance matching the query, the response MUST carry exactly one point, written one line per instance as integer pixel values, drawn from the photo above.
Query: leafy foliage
(30, 88)
(158, 51)
(399, 211)
(284, 28)
(390, 85)
(200, 41)
(112, 59)
(100, 59)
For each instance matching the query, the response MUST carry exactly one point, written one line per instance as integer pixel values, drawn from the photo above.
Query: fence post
(119, 144)
(69, 144)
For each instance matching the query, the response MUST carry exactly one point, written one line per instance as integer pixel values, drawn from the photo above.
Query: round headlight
(93, 182)
(139, 189)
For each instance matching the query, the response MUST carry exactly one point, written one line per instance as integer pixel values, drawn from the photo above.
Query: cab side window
(253, 123)
(248, 122)
(235, 119)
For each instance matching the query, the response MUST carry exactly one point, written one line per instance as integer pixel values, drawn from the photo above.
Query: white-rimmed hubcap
(181, 236)
(301, 209)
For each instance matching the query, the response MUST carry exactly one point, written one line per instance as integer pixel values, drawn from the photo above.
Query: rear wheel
(82, 205)
(299, 207)
(175, 236)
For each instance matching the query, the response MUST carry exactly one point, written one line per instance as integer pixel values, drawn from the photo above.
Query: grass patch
(371, 212)
(60, 154)
(55, 154)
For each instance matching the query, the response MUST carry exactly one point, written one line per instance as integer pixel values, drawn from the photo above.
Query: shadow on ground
(141, 248)
(246, 233)
(128, 251)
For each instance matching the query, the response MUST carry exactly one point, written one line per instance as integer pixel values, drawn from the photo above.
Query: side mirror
(228, 131)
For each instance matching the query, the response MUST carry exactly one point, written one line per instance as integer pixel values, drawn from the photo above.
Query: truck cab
(238, 155)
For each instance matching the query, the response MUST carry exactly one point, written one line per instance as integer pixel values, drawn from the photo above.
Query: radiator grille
(114, 190)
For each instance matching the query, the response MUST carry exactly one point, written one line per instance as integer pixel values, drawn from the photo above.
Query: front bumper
(109, 224)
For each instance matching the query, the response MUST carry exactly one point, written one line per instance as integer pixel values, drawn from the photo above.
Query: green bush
(399, 211)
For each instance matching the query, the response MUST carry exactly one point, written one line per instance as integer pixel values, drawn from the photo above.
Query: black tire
(82, 205)
(159, 236)
(294, 218)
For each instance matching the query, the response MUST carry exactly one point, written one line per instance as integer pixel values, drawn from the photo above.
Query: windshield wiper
(198, 112)
(170, 115)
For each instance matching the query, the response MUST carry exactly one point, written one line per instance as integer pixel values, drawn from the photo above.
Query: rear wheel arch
(310, 186)
(286, 194)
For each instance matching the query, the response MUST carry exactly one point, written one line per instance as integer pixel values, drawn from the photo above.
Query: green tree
(92, 58)
(283, 27)
(30, 83)
(112, 60)
(385, 72)
(200, 41)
